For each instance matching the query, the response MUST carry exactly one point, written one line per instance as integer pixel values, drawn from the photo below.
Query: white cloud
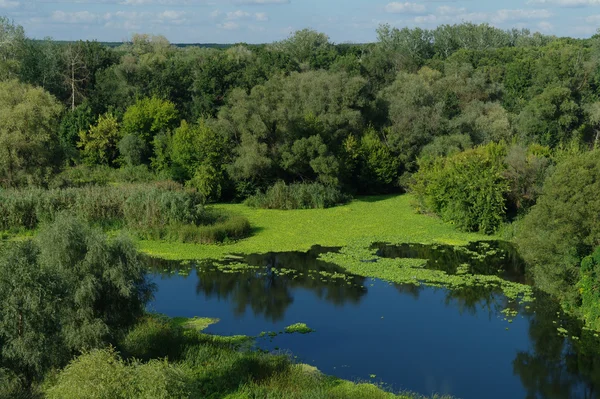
(518, 15)
(452, 15)
(593, 19)
(9, 4)
(261, 16)
(237, 14)
(405, 8)
(241, 15)
(171, 14)
(216, 13)
(77, 17)
(567, 3)
(449, 10)
(229, 25)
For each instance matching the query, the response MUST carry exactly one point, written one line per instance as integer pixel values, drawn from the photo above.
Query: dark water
(410, 337)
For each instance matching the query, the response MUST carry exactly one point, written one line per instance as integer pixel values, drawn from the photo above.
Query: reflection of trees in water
(557, 366)
(266, 290)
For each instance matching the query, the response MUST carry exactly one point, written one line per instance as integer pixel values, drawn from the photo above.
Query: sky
(265, 21)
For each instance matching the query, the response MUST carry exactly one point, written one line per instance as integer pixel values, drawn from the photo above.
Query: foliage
(28, 140)
(135, 206)
(148, 117)
(297, 196)
(300, 328)
(69, 290)
(202, 155)
(103, 374)
(589, 289)
(99, 143)
(563, 227)
(467, 189)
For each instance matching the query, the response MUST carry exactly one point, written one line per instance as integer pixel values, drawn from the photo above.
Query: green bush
(467, 189)
(102, 374)
(152, 338)
(298, 196)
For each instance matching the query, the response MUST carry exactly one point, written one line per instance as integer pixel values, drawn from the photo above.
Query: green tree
(29, 146)
(99, 143)
(12, 42)
(551, 118)
(148, 117)
(589, 289)
(69, 290)
(563, 226)
(467, 189)
(202, 154)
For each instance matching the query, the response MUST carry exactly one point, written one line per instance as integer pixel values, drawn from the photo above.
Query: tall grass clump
(298, 196)
(163, 210)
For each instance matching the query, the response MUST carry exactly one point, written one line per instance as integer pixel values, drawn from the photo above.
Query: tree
(69, 290)
(99, 142)
(29, 145)
(551, 118)
(12, 41)
(309, 48)
(148, 117)
(292, 126)
(467, 189)
(202, 154)
(563, 226)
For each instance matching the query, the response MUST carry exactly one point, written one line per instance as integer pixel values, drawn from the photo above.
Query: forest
(493, 131)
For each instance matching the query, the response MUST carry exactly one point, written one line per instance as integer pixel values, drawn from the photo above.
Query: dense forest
(494, 131)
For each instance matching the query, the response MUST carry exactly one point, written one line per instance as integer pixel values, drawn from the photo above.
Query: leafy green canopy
(71, 289)
(29, 145)
(467, 189)
(564, 225)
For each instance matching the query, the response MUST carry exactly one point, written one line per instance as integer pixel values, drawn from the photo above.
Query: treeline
(232, 122)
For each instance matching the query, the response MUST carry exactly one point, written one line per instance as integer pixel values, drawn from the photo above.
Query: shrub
(154, 337)
(298, 196)
(102, 374)
(467, 189)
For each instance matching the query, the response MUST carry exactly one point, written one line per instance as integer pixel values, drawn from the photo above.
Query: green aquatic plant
(300, 328)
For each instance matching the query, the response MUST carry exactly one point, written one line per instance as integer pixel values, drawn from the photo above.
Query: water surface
(409, 337)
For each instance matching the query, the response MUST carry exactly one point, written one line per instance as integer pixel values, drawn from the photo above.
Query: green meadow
(378, 218)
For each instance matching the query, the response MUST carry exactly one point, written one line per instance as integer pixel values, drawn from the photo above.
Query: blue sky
(261, 21)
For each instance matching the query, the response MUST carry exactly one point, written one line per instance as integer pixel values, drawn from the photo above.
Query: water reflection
(484, 257)
(545, 354)
(266, 288)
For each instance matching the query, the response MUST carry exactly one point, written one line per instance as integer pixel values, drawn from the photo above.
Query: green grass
(195, 323)
(197, 366)
(386, 218)
(300, 328)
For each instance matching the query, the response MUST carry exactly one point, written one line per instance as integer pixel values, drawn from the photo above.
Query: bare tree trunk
(73, 85)
(597, 139)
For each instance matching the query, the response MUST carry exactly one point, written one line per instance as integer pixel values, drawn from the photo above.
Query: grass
(198, 365)
(387, 218)
(195, 323)
(300, 328)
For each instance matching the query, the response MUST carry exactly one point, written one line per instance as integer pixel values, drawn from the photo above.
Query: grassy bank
(197, 365)
(384, 218)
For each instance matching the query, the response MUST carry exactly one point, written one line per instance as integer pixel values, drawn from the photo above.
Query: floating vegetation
(194, 323)
(299, 328)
